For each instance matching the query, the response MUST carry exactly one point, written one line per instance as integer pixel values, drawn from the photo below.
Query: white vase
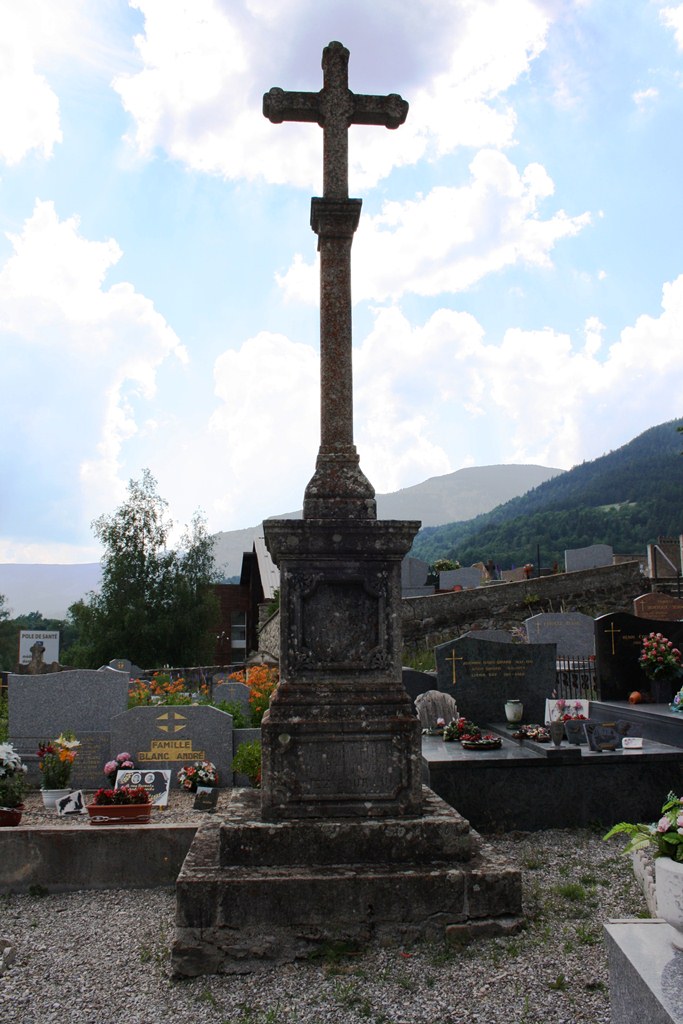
(52, 796)
(514, 709)
(669, 890)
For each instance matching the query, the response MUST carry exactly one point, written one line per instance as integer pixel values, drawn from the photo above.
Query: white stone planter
(669, 889)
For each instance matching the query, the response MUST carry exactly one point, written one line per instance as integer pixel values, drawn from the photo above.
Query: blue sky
(517, 272)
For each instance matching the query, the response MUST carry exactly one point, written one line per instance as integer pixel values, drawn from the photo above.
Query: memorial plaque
(618, 643)
(482, 675)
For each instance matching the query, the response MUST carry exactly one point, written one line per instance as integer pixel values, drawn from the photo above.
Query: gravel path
(102, 957)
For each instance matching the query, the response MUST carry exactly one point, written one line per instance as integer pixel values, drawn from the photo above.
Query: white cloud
(206, 66)
(450, 239)
(29, 109)
(672, 17)
(644, 98)
(93, 352)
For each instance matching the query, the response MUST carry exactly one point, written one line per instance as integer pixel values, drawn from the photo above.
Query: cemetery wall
(428, 621)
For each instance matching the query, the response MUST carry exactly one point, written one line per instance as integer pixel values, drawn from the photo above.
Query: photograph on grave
(157, 783)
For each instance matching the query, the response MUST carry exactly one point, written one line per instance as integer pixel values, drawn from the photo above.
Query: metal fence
(575, 678)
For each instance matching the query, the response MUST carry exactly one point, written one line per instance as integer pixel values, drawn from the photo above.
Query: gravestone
(434, 705)
(482, 675)
(591, 557)
(468, 578)
(513, 575)
(618, 643)
(82, 701)
(416, 682)
(414, 572)
(572, 632)
(169, 736)
(664, 607)
(232, 692)
(127, 666)
(500, 636)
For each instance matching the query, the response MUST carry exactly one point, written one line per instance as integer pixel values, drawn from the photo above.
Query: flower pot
(119, 814)
(669, 891)
(52, 796)
(9, 817)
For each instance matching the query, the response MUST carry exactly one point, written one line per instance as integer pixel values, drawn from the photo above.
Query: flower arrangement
(124, 795)
(56, 758)
(12, 772)
(122, 762)
(665, 835)
(659, 659)
(199, 773)
(461, 729)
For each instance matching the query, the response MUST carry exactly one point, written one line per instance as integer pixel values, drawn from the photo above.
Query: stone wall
(428, 621)
(432, 620)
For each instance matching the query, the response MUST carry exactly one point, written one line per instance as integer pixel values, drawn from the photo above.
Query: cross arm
(279, 106)
(390, 111)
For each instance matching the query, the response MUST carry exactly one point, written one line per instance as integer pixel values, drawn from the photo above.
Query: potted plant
(661, 663)
(55, 761)
(122, 762)
(12, 785)
(199, 773)
(664, 839)
(126, 805)
(247, 761)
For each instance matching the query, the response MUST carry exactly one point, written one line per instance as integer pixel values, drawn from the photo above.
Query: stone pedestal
(254, 894)
(341, 738)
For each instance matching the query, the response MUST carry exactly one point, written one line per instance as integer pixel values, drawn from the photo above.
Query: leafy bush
(247, 761)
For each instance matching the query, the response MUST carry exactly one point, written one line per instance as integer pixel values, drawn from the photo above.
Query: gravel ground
(103, 957)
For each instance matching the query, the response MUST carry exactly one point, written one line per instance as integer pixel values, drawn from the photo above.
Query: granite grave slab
(618, 641)
(482, 675)
(167, 737)
(590, 557)
(572, 632)
(83, 701)
(468, 578)
(664, 607)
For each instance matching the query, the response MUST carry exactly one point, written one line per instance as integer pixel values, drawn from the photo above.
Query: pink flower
(679, 821)
(110, 766)
(663, 824)
(124, 757)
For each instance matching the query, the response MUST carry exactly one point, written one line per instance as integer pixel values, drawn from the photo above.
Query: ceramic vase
(514, 709)
(51, 796)
(669, 890)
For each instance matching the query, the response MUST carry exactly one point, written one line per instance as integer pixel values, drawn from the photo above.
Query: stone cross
(338, 489)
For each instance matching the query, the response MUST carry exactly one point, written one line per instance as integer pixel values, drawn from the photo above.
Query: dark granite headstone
(618, 642)
(82, 701)
(482, 675)
(416, 682)
(167, 737)
(232, 692)
(572, 632)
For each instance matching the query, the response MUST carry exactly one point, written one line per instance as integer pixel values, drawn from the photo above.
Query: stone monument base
(254, 894)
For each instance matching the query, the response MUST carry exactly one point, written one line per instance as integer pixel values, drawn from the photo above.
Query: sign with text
(48, 638)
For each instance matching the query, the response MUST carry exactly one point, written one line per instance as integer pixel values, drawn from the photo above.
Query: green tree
(155, 606)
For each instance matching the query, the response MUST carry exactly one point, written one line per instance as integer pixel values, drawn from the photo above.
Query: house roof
(268, 571)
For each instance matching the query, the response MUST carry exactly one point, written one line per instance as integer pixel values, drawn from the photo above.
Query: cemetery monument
(342, 842)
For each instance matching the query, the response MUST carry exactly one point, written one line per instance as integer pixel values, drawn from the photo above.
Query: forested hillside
(626, 498)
